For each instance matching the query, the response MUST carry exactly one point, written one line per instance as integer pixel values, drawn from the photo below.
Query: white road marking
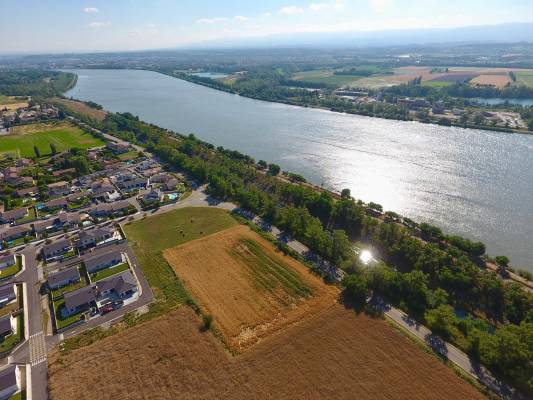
(37, 349)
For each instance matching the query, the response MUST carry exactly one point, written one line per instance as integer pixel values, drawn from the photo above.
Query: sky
(42, 26)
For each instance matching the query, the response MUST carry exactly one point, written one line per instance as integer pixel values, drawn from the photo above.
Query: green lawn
(10, 271)
(436, 84)
(106, 273)
(84, 201)
(325, 76)
(524, 77)
(64, 138)
(12, 340)
(60, 322)
(130, 155)
(32, 214)
(69, 288)
(171, 229)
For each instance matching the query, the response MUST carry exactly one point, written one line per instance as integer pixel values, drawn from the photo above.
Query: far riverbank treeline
(277, 87)
(433, 273)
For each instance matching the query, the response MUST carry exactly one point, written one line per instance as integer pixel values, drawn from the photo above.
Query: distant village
(26, 112)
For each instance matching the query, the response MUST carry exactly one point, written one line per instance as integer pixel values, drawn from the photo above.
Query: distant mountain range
(502, 33)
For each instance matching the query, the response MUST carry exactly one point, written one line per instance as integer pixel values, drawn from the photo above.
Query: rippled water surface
(474, 183)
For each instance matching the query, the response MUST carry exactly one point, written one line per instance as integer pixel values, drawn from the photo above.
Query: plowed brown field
(251, 289)
(334, 355)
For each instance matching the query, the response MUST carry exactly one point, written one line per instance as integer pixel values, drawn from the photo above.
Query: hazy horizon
(131, 25)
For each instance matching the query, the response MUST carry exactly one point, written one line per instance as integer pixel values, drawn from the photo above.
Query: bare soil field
(335, 355)
(251, 289)
(499, 81)
(81, 108)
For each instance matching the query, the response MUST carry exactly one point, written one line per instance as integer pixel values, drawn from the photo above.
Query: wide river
(474, 183)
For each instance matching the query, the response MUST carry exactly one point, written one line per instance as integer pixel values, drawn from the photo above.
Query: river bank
(191, 78)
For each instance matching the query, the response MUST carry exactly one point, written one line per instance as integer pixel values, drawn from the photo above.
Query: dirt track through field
(251, 289)
(334, 355)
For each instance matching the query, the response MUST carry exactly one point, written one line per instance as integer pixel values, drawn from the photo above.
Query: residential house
(40, 227)
(7, 326)
(7, 294)
(6, 261)
(122, 285)
(146, 164)
(160, 178)
(134, 184)
(56, 250)
(23, 162)
(24, 181)
(151, 171)
(60, 188)
(14, 233)
(107, 193)
(118, 148)
(155, 195)
(55, 204)
(64, 277)
(12, 215)
(27, 192)
(170, 185)
(11, 174)
(106, 210)
(79, 300)
(9, 381)
(102, 261)
(68, 220)
(66, 171)
(93, 237)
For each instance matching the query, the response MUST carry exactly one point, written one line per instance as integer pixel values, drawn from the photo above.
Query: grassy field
(64, 136)
(171, 229)
(81, 108)
(435, 84)
(338, 354)
(269, 291)
(524, 77)
(327, 77)
(8, 100)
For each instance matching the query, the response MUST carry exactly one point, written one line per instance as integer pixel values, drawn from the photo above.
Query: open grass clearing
(326, 77)
(81, 108)
(524, 77)
(251, 289)
(335, 355)
(65, 137)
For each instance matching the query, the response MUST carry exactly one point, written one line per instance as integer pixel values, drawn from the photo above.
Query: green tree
(441, 320)
(502, 261)
(37, 151)
(356, 288)
(274, 169)
(53, 149)
(346, 194)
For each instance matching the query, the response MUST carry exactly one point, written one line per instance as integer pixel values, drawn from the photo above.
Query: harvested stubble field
(334, 355)
(498, 81)
(251, 289)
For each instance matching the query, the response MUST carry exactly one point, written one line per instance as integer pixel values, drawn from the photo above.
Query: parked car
(106, 309)
(117, 304)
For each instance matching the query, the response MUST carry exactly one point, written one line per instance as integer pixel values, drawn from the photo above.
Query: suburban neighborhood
(65, 261)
